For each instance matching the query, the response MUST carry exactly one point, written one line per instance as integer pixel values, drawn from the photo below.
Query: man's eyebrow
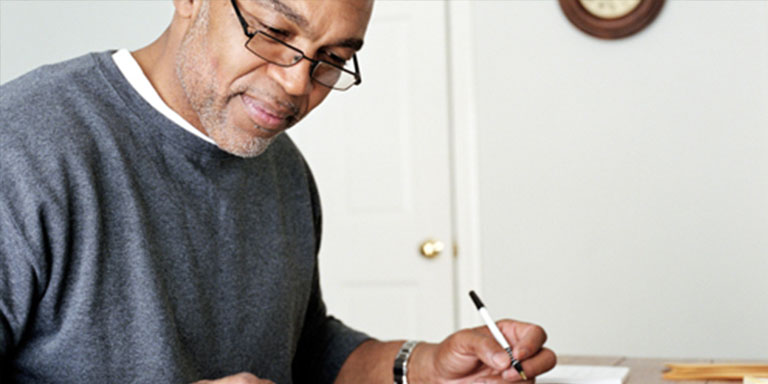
(288, 12)
(352, 42)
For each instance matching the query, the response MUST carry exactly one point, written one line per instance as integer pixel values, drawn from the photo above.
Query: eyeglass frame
(314, 62)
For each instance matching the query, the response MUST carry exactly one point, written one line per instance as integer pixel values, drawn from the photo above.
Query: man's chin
(244, 147)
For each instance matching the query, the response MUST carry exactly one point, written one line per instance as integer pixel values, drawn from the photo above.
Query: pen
(496, 333)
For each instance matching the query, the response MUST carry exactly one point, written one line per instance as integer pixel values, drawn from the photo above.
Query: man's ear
(185, 8)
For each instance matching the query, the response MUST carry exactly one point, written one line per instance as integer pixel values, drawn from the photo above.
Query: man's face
(244, 102)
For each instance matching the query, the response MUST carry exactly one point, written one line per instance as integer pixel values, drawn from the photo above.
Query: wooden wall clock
(611, 19)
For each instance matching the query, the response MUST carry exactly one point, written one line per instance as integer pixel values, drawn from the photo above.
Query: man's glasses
(283, 54)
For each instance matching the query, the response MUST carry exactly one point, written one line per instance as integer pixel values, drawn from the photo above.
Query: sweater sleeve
(24, 246)
(325, 341)
(324, 346)
(22, 271)
(18, 283)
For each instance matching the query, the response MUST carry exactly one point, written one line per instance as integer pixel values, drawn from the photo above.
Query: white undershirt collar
(135, 76)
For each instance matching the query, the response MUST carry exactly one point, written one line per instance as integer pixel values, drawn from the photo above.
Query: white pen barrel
(494, 329)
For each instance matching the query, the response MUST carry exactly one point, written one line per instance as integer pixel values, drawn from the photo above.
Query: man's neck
(158, 62)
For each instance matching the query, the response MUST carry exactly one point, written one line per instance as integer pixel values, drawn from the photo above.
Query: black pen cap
(478, 303)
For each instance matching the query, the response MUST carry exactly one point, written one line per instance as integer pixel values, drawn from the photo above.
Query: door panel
(380, 154)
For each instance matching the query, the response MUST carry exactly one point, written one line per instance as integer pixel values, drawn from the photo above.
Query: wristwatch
(400, 369)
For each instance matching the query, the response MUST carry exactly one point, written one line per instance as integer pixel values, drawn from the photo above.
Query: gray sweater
(132, 251)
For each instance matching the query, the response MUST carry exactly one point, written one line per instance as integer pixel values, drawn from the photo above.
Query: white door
(380, 155)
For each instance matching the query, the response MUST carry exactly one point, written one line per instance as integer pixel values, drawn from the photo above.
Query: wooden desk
(641, 370)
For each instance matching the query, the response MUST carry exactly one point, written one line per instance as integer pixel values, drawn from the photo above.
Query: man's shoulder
(49, 80)
(48, 102)
(54, 84)
(55, 113)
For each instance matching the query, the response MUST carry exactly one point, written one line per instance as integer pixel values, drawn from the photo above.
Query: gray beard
(242, 148)
(201, 95)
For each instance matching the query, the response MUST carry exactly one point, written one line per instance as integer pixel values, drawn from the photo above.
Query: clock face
(610, 9)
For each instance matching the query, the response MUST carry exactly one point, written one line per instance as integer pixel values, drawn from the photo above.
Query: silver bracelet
(400, 369)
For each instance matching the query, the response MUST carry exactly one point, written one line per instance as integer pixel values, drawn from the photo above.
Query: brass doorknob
(431, 248)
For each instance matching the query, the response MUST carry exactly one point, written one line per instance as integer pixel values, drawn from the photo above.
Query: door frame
(463, 135)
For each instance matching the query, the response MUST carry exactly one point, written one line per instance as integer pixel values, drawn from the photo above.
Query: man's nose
(295, 79)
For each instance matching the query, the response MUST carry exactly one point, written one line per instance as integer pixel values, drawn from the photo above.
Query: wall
(33, 33)
(623, 185)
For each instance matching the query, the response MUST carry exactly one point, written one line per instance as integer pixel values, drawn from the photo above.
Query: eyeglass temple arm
(357, 71)
(241, 19)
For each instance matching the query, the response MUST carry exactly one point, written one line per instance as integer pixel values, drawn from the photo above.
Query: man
(155, 226)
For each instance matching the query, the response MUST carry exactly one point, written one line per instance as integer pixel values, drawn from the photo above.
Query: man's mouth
(265, 115)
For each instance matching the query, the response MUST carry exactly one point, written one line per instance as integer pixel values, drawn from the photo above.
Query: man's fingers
(526, 339)
(498, 380)
(481, 346)
(537, 364)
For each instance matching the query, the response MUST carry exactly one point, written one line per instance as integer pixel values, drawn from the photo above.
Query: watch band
(400, 369)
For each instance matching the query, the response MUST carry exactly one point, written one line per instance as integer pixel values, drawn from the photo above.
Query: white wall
(623, 185)
(34, 32)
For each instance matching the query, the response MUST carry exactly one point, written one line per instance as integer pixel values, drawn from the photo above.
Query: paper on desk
(584, 374)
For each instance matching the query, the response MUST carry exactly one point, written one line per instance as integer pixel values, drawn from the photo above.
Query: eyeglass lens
(277, 52)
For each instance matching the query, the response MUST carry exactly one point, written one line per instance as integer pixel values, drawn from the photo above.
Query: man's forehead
(300, 12)
(286, 10)
(292, 8)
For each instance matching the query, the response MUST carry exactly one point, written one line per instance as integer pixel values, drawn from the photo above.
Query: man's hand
(473, 356)
(240, 378)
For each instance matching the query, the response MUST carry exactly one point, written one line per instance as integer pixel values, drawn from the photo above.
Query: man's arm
(23, 273)
(470, 354)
